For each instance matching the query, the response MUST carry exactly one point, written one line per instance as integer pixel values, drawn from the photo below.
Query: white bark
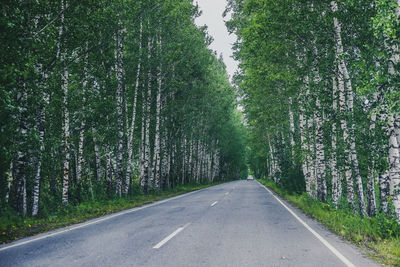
(143, 181)
(384, 180)
(303, 139)
(83, 122)
(109, 166)
(272, 159)
(20, 164)
(336, 181)
(310, 158)
(348, 132)
(319, 136)
(40, 124)
(371, 200)
(38, 173)
(99, 171)
(183, 154)
(190, 171)
(147, 167)
(198, 161)
(9, 181)
(64, 87)
(132, 125)
(119, 72)
(292, 129)
(156, 156)
(394, 133)
(320, 155)
(394, 166)
(164, 156)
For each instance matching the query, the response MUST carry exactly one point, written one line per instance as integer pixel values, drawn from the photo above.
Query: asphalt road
(234, 224)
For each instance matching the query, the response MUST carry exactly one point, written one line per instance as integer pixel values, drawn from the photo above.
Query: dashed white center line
(213, 204)
(168, 238)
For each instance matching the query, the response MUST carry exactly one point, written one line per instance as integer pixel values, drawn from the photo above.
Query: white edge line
(168, 238)
(94, 221)
(213, 204)
(320, 238)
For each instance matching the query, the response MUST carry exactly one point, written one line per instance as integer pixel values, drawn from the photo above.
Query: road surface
(234, 224)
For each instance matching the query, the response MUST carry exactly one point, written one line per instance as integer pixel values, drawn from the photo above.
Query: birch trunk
(336, 182)
(36, 187)
(147, 168)
(109, 166)
(83, 122)
(311, 153)
(198, 161)
(371, 200)
(303, 139)
(384, 180)
(183, 153)
(292, 129)
(343, 110)
(119, 72)
(164, 156)
(9, 182)
(143, 181)
(319, 136)
(64, 87)
(19, 181)
(394, 132)
(156, 156)
(190, 171)
(394, 166)
(132, 125)
(99, 172)
(272, 158)
(40, 124)
(384, 184)
(321, 178)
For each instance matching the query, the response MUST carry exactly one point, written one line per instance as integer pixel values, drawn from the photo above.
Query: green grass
(380, 236)
(13, 227)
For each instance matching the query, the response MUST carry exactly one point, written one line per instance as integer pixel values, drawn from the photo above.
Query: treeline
(320, 82)
(103, 99)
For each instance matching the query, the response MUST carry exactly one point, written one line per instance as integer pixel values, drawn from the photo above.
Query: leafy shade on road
(379, 235)
(13, 227)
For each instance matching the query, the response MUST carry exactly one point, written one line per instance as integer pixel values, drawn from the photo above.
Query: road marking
(97, 221)
(226, 193)
(168, 238)
(320, 238)
(213, 204)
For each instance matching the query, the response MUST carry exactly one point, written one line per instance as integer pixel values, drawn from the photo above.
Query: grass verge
(379, 235)
(13, 227)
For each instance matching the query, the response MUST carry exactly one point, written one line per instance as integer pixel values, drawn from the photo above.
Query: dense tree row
(320, 82)
(100, 98)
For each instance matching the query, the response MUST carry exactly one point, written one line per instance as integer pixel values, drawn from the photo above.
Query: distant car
(250, 177)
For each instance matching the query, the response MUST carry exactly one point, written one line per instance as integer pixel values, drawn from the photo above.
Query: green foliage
(40, 44)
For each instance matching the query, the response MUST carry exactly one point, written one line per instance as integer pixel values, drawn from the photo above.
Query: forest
(108, 99)
(107, 105)
(320, 87)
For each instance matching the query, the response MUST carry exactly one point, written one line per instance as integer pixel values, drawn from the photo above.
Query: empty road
(234, 224)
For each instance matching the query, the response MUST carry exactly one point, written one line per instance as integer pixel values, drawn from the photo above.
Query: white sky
(212, 17)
